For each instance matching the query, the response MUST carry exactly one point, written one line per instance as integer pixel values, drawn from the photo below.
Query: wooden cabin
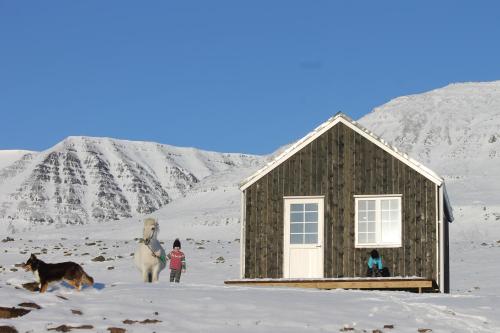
(315, 212)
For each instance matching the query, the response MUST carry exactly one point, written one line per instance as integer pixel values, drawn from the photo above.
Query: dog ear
(32, 256)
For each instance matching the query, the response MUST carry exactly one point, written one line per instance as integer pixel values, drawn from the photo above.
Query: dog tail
(87, 279)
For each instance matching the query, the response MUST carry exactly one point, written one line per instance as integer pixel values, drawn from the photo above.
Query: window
(378, 221)
(303, 223)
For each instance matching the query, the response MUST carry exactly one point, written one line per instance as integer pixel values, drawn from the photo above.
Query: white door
(303, 232)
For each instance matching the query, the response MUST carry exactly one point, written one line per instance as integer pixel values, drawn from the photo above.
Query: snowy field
(202, 303)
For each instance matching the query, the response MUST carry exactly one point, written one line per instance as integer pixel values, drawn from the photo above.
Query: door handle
(318, 245)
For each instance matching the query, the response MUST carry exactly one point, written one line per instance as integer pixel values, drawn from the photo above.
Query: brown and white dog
(68, 271)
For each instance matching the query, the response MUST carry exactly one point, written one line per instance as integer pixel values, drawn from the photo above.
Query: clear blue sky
(231, 76)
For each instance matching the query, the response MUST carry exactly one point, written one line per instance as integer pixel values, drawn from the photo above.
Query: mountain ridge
(86, 178)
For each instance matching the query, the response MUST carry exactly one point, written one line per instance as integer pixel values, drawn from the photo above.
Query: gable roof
(318, 131)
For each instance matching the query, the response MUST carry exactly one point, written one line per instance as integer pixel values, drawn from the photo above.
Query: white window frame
(378, 220)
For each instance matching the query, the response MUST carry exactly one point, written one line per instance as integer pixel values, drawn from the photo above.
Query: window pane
(312, 207)
(362, 227)
(362, 216)
(386, 215)
(311, 217)
(371, 204)
(385, 204)
(311, 238)
(297, 207)
(371, 238)
(296, 228)
(297, 239)
(394, 215)
(371, 216)
(371, 227)
(311, 227)
(296, 217)
(362, 238)
(394, 204)
(362, 205)
(390, 234)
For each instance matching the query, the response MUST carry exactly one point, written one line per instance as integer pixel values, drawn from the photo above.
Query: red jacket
(177, 260)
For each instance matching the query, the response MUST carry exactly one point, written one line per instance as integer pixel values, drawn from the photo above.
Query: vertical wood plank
(412, 224)
(260, 227)
(418, 226)
(337, 204)
(297, 174)
(396, 269)
(432, 191)
(281, 218)
(314, 180)
(330, 248)
(342, 225)
(357, 180)
(349, 249)
(406, 222)
(255, 231)
(248, 232)
(321, 189)
(270, 223)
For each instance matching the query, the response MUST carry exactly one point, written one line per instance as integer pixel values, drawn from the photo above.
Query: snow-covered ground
(202, 303)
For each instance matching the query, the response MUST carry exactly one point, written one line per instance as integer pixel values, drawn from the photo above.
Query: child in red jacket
(177, 262)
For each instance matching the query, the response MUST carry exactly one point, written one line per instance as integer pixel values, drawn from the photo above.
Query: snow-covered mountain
(454, 130)
(84, 179)
(8, 157)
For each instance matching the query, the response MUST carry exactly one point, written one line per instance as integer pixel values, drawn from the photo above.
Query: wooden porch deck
(396, 283)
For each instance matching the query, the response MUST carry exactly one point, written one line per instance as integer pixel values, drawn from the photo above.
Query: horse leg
(156, 273)
(145, 274)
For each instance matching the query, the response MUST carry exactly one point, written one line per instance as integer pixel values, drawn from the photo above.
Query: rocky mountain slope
(85, 179)
(454, 130)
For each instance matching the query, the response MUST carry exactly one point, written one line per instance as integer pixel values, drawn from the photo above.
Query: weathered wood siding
(340, 164)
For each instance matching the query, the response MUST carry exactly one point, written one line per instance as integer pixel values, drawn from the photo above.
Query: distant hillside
(85, 179)
(454, 130)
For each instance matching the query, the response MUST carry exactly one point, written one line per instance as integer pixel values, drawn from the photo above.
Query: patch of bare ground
(31, 286)
(145, 321)
(6, 313)
(66, 328)
(116, 330)
(30, 305)
(7, 329)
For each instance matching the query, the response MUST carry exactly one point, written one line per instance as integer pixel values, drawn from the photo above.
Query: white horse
(150, 256)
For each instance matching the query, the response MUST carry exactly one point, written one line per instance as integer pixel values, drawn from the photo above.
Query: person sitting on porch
(375, 266)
